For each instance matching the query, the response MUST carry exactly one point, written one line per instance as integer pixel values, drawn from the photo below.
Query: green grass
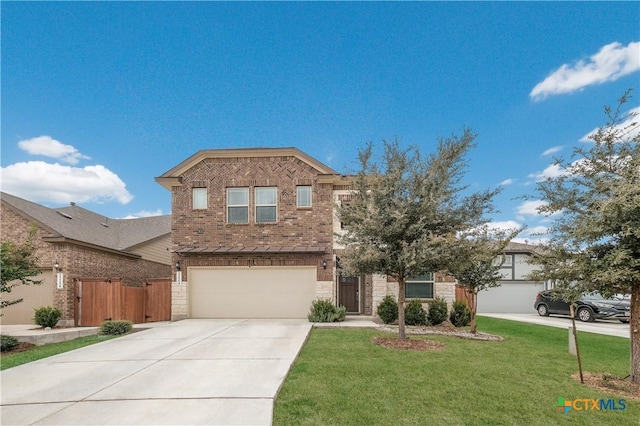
(44, 351)
(341, 378)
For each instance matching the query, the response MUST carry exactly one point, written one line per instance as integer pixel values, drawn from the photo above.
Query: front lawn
(34, 353)
(342, 378)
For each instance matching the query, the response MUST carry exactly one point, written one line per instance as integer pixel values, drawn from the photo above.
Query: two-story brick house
(253, 237)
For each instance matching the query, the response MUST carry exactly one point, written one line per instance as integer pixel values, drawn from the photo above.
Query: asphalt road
(608, 327)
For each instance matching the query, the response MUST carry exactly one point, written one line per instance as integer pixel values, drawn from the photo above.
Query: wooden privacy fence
(463, 295)
(102, 300)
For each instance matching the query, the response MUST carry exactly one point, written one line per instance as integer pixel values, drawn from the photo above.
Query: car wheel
(543, 311)
(585, 315)
(624, 321)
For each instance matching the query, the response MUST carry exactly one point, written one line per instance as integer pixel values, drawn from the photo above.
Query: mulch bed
(608, 383)
(408, 344)
(444, 329)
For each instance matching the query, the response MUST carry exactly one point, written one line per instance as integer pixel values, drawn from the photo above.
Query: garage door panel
(509, 298)
(35, 296)
(251, 292)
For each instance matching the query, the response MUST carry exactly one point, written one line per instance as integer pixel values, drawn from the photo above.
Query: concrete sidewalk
(214, 372)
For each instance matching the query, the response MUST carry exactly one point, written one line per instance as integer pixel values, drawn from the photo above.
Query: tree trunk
(401, 330)
(634, 330)
(474, 309)
(572, 312)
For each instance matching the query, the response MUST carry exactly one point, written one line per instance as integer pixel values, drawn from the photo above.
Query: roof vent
(63, 214)
(72, 203)
(106, 225)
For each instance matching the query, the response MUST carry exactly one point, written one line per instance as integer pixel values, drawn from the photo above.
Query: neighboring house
(85, 245)
(253, 237)
(516, 294)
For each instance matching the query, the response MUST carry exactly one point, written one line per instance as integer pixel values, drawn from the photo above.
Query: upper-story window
(303, 196)
(238, 205)
(199, 198)
(266, 206)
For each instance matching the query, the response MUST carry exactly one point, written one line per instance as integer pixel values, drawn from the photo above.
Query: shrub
(414, 313)
(47, 316)
(115, 328)
(460, 314)
(7, 343)
(437, 311)
(323, 310)
(388, 310)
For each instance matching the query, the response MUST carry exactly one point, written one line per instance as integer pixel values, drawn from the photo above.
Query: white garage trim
(251, 292)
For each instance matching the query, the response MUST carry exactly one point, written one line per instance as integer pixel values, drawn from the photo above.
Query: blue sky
(98, 98)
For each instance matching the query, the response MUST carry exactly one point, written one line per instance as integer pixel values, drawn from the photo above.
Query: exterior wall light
(324, 264)
(57, 266)
(178, 266)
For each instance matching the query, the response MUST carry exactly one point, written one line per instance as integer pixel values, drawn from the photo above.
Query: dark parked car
(588, 308)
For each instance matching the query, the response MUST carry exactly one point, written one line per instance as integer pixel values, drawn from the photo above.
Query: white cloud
(49, 147)
(507, 182)
(505, 225)
(552, 171)
(609, 64)
(144, 213)
(552, 150)
(630, 124)
(530, 208)
(40, 181)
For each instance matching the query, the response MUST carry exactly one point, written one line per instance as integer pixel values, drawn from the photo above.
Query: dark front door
(349, 293)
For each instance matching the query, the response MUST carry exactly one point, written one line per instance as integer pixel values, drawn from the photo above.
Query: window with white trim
(266, 206)
(303, 196)
(199, 198)
(420, 287)
(238, 205)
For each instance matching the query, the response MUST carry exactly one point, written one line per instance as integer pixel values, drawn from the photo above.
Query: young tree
(479, 257)
(595, 205)
(555, 263)
(18, 266)
(406, 211)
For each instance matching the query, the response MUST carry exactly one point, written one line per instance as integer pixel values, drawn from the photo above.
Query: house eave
(89, 245)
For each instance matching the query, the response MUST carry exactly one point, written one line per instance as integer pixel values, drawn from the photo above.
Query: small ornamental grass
(437, 311)
(388, 310)
(115, 328)
(323, 310)
(47, 316)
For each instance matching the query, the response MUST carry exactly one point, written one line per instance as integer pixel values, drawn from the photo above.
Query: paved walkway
(610, 328)
(214, 372)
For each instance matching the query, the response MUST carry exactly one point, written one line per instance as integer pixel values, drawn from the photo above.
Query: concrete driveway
(190, 372)
(607, 327)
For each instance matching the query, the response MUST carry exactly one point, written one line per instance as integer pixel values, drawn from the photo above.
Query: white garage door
(509, 298)
(256, 292)
(34, 296)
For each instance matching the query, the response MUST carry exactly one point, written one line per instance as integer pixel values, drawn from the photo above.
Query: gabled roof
(513, 247)
(77, 224)
(173, 176)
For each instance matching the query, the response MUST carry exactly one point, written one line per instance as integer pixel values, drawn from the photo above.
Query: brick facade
(78, 261)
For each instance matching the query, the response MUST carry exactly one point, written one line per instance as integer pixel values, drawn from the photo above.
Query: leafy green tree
(406, 211)
(18, 266)
(479, 257)
(595, 207)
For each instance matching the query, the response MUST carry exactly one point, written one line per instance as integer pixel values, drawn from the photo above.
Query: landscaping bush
(115, 328)
(460, 314)
(388, 310)
(323, 310)
(437, 311)
(414, 313)
(7, 343)
(47, 316)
